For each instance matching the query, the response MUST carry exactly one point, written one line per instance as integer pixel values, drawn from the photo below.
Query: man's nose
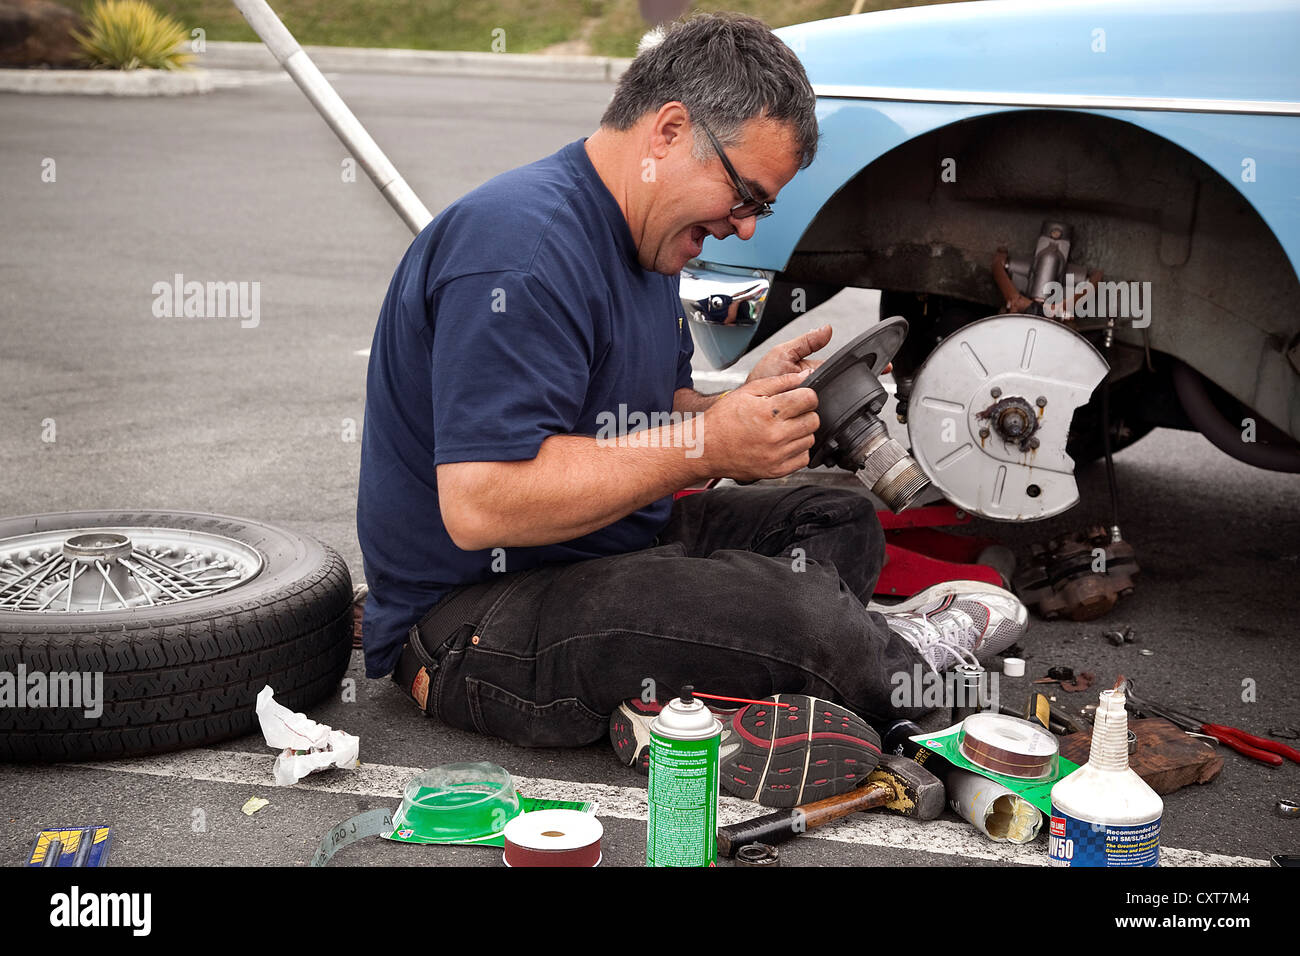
(745, 227)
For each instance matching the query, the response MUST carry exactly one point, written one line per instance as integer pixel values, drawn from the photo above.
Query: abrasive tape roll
(553, 838)
(1009, 746)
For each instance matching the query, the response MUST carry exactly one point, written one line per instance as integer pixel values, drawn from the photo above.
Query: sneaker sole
(789, 756)
(630, 736)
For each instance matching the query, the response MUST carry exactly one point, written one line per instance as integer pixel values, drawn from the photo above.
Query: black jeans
(749, 591)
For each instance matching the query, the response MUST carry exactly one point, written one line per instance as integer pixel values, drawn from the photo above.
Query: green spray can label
(683, 789)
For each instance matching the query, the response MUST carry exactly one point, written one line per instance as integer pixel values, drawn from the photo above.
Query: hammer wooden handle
(784, 824)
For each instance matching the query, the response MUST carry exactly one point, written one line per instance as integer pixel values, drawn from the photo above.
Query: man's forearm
(575, 485)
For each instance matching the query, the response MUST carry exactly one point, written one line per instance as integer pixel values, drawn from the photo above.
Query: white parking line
(940, 837)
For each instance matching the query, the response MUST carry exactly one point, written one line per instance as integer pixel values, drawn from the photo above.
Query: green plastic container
(457, 802)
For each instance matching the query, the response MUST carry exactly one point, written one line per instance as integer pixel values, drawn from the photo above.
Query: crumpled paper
(304, 745)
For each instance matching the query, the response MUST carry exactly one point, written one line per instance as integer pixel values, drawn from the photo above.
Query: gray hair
(726, 69)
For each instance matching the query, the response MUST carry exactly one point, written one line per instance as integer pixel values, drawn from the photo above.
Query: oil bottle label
(1073, 842)
(683, 792)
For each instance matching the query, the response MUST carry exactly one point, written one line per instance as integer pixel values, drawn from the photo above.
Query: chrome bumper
(723, 305)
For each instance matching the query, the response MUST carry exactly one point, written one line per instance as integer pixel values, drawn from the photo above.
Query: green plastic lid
(456, 802)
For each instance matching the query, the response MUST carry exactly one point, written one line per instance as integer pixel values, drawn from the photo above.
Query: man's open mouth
(698, 235)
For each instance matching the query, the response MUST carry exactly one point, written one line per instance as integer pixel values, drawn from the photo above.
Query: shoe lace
(949, 635)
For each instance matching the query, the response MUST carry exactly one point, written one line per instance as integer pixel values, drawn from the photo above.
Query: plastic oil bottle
(1104, 814)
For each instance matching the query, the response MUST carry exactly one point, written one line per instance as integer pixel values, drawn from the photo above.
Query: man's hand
(763, 429)
(791, 356)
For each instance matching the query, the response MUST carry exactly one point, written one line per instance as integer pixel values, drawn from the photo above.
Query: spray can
(683, 789)
(1104, 814)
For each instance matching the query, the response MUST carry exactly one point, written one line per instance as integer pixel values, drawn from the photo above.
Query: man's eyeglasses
(748, 205)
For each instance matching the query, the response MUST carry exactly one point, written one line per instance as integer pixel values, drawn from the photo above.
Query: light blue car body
(1220, 82)
(1248, 51)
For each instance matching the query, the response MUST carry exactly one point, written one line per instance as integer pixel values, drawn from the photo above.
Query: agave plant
(129, 34)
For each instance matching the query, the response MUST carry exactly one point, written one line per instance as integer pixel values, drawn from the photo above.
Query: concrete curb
(340, 59)
(108, 82)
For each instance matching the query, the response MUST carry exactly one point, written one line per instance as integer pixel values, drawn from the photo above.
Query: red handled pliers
(1262, 749)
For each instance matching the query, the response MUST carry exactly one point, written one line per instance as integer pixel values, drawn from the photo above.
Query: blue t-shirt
(519, 313)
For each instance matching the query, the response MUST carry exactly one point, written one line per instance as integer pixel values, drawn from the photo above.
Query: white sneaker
(958, 622)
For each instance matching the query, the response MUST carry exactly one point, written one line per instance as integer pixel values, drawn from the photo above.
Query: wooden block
(1166, 758)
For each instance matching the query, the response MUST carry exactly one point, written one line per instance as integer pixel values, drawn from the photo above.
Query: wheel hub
(1013, 420)
(97, 546)
(111, 569)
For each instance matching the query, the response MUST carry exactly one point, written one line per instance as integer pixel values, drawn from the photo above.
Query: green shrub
(129, 34)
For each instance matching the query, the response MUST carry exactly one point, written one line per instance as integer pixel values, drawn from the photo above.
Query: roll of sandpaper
(553, 838)
(1008, 745)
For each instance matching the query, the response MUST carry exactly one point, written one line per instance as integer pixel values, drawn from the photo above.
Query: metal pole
(335, 112)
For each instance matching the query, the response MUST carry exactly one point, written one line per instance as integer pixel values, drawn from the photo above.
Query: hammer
(897, 784)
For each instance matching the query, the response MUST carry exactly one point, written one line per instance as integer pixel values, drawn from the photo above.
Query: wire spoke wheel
(106, 569)
(134, 633)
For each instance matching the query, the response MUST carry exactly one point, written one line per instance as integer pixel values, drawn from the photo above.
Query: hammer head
(917, 792)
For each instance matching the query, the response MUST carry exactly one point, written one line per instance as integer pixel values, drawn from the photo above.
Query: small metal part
(1132, 743)
(1041, 401)
(968, 691)
(758, 854)
(1287, 809)
(1146, 652)
(995, 392)
(1115, 637)
(1082, 681)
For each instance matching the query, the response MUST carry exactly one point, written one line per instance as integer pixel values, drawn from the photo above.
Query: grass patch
(610, 27)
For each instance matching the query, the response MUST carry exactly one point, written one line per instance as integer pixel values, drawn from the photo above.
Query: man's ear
(669, 129)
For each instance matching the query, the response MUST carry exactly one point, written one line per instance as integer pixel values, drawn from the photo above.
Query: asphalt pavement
(263, 419)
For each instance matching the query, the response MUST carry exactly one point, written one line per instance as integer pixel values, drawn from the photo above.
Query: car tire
(177, 675)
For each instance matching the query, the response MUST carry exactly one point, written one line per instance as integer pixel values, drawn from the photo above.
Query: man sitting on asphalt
(530, 578)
